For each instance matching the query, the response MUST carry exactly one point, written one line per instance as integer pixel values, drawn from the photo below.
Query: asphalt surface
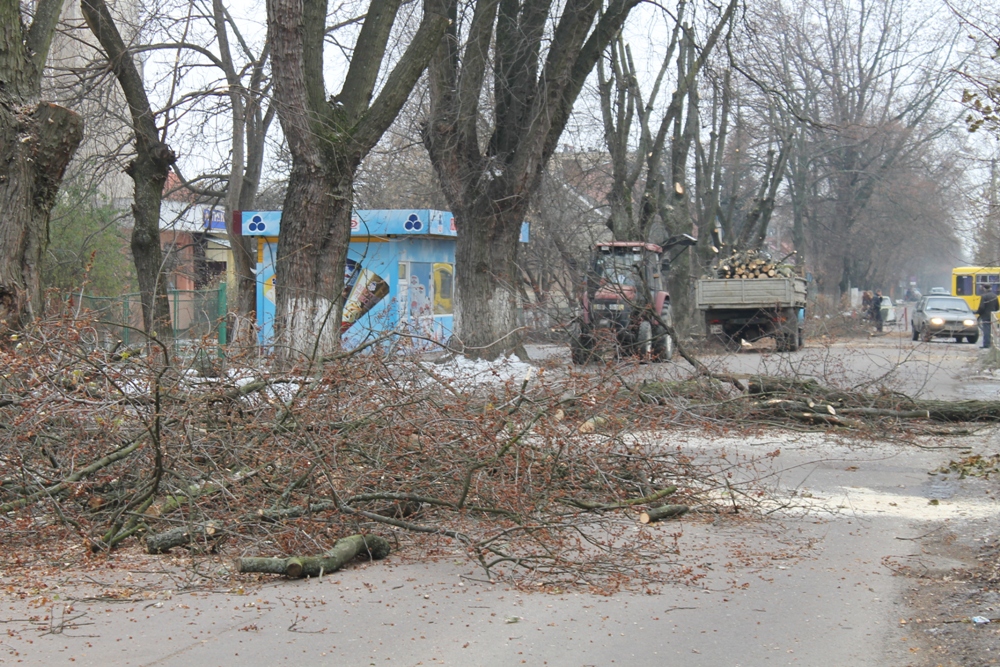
(818, 583)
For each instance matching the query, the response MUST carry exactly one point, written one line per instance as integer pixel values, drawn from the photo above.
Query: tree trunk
(148, 171)
(250, 125)
(36, 143)
(310, 263)
(486, 278)
(489, 183)
(328, 137)
(244, 266)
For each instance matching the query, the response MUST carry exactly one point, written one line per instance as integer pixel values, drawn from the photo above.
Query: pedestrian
(866, 304)
(877, 310)
(988, 305)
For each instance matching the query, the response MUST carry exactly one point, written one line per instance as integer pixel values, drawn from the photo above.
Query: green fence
(195, 316)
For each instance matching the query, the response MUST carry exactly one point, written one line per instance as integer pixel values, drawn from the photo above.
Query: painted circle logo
(413, 223)
(257, 224)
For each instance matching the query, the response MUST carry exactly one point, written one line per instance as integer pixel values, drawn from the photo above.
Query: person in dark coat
(877, 310)
(988, 305)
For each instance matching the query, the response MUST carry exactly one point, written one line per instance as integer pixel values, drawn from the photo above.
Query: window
(444, 287)
(963, 286)
(986, 282)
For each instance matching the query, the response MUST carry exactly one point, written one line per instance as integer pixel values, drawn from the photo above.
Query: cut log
(345, 550)
(663, 512)
(159, 543)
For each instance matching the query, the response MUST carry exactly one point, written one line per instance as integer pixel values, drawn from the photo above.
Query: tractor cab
(625, 272)
(625, 299)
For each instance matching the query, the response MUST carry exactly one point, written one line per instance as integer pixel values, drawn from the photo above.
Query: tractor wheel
(644, 341)
(663, 344)
(581, 345)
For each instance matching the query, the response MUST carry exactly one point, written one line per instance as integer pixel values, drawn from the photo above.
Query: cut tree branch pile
(109, 447)
(104, 448)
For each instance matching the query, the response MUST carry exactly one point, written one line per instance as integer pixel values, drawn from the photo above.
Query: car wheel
(916, 334)
(972, 339)
(925, 336)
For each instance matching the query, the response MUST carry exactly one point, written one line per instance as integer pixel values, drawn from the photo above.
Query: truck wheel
(663, 344)
(791, 341)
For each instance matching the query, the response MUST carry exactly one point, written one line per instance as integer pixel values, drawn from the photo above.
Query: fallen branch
(345, 550)
(590, 505)
(177, 537)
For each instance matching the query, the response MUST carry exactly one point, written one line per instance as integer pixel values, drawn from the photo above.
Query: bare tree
(650, 179)
(861, 86)
(148, 170)
(37, 141)
(327, 138)
(252, 113)
(489, 179)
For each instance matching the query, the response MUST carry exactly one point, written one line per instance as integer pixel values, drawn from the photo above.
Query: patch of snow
(459, 371)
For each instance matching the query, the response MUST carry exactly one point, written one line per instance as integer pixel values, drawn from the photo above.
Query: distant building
(77, 77)
(196, 250)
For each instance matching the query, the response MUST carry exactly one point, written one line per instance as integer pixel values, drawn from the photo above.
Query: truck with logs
(750, 298)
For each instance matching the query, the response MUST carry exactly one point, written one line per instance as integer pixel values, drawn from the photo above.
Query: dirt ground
(955, 579)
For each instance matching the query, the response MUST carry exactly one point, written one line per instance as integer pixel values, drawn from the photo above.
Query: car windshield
(948, 303)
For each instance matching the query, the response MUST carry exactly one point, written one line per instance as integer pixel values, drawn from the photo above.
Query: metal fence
(196, 317)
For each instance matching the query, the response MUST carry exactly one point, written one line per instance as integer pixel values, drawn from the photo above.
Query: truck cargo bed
(711, 293)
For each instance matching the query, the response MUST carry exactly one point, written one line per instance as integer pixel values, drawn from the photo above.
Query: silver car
(944, 317)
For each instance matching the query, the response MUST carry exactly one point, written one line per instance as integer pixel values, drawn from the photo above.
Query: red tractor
(625, 303)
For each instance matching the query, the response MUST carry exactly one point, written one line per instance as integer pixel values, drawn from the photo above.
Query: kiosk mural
(399, 274)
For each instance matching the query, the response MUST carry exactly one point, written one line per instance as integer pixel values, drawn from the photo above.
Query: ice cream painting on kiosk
(400, 273)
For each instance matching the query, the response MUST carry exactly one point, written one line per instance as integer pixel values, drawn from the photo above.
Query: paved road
(815, 585)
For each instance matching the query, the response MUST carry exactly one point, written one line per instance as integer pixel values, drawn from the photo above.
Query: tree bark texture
(345, 550)
(158, 543)
(489, 184)
(148, 171)
(37, 141)
(328, 137)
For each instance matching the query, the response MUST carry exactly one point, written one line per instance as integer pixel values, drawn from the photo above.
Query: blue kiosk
(400, 273)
